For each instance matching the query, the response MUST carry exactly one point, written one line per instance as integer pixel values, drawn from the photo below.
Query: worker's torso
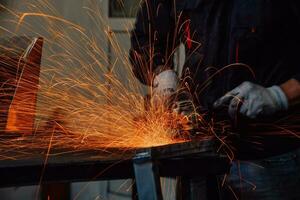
(258, 33)
(262, 34)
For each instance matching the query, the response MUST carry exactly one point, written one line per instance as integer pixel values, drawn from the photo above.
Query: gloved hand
(164, 85)
(252, 100)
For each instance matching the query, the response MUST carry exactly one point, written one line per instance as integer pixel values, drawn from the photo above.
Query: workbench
(188, 159)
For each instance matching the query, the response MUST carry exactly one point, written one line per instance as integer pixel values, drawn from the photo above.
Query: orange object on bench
(19, 80)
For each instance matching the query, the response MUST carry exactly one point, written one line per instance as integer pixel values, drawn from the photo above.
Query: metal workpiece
(199, 156)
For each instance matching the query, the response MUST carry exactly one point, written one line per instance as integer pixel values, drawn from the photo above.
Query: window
(123, 8)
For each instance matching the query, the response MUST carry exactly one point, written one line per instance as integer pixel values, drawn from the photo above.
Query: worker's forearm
(291, 88)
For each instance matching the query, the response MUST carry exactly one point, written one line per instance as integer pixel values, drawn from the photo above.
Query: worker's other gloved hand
(252, 100)
(164, 85)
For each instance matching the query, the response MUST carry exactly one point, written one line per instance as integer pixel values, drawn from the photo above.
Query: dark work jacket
(262, 35)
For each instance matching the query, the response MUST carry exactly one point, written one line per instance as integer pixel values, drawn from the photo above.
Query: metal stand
(151, 163)
(147, 177)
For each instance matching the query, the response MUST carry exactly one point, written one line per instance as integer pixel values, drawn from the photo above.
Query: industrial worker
(241, 56)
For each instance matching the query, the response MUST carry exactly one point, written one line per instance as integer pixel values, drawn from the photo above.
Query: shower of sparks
(89, 99)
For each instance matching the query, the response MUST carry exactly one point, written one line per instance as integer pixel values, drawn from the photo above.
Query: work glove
(164, 86)
(252, 100)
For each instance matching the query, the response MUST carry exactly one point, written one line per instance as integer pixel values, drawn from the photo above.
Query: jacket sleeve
(152, 39)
